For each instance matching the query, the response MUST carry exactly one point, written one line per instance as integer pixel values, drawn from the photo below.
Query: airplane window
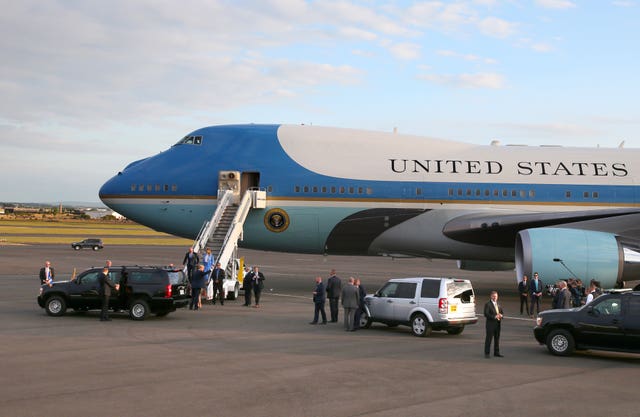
(369, 191)
(158, 188)
(514, 193)
(567, 194)
(496, 193)
(315, 189)
(333, 190)
(595, 195)
(478, 192)
(487, 192)
(174, 187)
(505, 193)
(149, 187)
(133, 187)
(360, 190)
(460, 191)
(166, 187)
(341, 190)
(188, 141)
(141, 187)
(450, 192)
(523, 194)
(351, 190)
(532, 193)
(324, 189)
(305, 189)
(418, 191)
(468, 191)
(270, 189)
(585, 194)
(197, 140)
(296, 188)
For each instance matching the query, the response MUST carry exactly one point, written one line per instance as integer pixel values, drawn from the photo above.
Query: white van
(422, 303)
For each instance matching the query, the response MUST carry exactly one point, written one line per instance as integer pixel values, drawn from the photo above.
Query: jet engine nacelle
(560, 253)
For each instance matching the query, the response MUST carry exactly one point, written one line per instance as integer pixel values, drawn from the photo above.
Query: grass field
(67, 231)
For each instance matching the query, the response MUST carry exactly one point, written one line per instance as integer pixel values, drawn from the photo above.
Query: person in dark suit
(319, 296)
(523, 290)
(47, 274)
(191, 260)
(257, 283)
(562, 298)
(247, 286)
(198, 281)
(334, 289)
(105, 287)
(535, 290)
(493, 314)
(217, 276)
(361, 296)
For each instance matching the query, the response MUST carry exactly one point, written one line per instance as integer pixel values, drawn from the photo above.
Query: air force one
(559, 211)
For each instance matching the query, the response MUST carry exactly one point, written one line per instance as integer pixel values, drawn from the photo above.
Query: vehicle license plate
(454, 308)
(181, 291)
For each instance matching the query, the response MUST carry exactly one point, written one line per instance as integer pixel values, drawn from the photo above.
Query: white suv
(424, 304)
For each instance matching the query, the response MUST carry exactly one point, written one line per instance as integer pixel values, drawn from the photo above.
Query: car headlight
(538, 321)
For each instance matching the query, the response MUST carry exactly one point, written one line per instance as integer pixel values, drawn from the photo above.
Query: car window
(176, 277)
(460, 289)
(89, 278)
(406, 290)
(388, 290)
(145, 277)
(608, 307)
(634, 306)
(430, 288)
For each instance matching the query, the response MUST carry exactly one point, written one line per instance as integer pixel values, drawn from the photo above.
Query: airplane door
(249, 181)
(230, 180)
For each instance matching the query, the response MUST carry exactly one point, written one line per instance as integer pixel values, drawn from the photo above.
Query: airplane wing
(500, 230)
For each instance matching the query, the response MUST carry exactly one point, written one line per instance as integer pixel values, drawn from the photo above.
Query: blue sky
(89, 86)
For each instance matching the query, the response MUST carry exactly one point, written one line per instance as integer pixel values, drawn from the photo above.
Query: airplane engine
(561, 253)
(472, 265)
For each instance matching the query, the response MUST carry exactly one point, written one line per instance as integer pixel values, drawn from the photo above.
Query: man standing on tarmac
(217, 276)
(334, 288)
(106, 285)
(247, 286)
(493, 314)
(318, 301)
(191, 260)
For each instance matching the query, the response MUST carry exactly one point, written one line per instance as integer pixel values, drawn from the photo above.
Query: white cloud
(556, 4)
(478, 80)
(467, 57)
(495, 27)
(405, 51)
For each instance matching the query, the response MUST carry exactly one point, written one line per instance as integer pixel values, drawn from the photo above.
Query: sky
(87, 86)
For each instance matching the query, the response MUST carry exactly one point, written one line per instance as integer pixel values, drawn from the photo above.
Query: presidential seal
(276, 220)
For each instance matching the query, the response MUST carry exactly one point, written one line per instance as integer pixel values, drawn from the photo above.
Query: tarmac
(236, 361)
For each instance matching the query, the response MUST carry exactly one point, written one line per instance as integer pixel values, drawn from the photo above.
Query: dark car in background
(609, 322)
(95, 244)
(146, 289)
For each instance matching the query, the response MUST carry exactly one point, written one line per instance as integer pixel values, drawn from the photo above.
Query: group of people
(205, 278)
(352, 295)
(566, 294)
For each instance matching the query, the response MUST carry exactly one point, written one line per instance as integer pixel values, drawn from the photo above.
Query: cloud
(556, 4)
(473, 81)
(467, 57)
(404, 51)
(497, 28)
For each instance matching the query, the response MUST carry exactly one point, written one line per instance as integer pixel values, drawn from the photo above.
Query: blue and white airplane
(555, 210)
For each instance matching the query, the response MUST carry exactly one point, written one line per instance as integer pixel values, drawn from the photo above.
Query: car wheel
(76, 247)
(55, 306)
(365, 320)
(96, 248)
(139, 310)
(560, 342)
(455, 330)
(420, 325)
(233, 295)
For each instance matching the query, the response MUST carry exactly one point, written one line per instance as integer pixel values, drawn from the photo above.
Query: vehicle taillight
(167, 291)
(443, 306)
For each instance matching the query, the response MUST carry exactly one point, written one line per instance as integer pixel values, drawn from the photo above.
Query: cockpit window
(190, 140)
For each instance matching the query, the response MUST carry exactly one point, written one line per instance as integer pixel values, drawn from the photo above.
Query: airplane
(558, 211)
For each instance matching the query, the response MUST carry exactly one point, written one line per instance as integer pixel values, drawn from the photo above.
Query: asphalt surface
(236, 361)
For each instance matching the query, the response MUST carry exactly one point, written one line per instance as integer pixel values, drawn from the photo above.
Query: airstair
(223, 231)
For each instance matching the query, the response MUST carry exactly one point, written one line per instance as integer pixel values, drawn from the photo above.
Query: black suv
(94, 244)
(610, 322)
(148, 289)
